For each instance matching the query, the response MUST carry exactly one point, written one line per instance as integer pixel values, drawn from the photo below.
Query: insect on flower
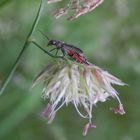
(67, 50)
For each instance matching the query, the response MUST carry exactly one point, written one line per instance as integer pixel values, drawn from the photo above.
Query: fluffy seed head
(81, 85)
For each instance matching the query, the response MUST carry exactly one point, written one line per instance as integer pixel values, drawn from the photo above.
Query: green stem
(4, 2)
(26, 44)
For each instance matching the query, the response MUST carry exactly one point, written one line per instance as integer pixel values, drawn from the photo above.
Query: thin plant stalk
(26, 44)
(4, 2)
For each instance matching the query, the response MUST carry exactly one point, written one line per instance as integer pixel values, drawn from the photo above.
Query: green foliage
(109, 36)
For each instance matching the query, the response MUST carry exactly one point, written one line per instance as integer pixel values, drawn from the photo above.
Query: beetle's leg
(63, 56)
(56, 51)
(52, 49)
(63, 52)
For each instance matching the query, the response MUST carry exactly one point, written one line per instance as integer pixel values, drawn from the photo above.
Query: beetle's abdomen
(78, 57)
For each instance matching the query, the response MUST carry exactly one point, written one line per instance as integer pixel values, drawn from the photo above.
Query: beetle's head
(53, 42)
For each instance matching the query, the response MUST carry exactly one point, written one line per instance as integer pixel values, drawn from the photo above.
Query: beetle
(67, 50)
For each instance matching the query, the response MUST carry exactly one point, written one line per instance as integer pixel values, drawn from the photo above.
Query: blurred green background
(110, 38)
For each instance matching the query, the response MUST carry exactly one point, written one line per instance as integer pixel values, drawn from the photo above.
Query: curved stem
(26, 44)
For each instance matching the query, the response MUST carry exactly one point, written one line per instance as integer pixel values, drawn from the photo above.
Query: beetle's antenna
(44, 34)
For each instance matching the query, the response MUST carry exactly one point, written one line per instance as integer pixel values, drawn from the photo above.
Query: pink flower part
(98, 74)
(53, 1)
(47, 110)
(60, 12)
(51, 118)
(119, 109)
(48, 113)
(87, 127)
(79, 12)
(89, 5)
(74, 5)
(92, 4)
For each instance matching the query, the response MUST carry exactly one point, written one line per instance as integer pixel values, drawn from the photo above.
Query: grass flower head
(76, 7)
(81, 85)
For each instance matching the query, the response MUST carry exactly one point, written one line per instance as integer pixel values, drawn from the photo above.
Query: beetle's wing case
(69, 47)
